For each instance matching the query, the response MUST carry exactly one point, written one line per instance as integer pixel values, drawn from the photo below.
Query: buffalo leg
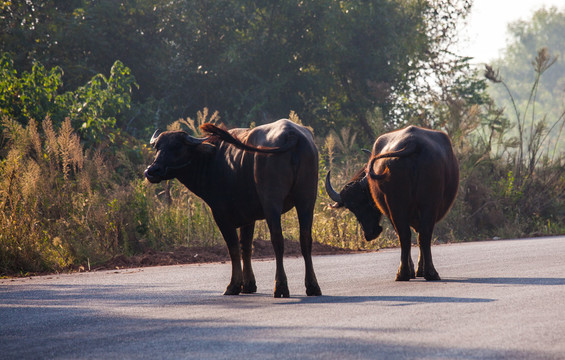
(425, 264)
(305, 217)
(246, 241)
(232, 241)
(420, 269)
(281, 284)
(399, 219)
(406, 269)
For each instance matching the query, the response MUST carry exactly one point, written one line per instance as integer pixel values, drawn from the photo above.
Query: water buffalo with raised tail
(245, 175)
(412, 177)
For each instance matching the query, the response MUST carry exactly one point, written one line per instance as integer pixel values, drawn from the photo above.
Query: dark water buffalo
(412, 178)
(245, 175)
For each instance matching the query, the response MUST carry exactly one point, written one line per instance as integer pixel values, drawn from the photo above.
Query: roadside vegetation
(74, 141)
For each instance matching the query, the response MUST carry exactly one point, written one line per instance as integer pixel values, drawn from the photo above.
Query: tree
(544, 30)
(334, 62)
(85, 38)
(443, 87)
(536, 104)
(330, 61)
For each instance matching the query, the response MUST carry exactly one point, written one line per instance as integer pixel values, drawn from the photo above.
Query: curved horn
(368, 152)
(334, 195)
(191, 140)
(154, 137)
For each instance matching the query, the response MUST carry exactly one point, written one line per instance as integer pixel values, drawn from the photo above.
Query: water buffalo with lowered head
(245, 175)
(412, 177)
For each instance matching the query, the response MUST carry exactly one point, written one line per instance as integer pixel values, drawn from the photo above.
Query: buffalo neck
(207, 176)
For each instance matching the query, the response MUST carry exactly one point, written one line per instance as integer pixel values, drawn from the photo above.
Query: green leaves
(253, 61)
(93, 108)
(31, 96)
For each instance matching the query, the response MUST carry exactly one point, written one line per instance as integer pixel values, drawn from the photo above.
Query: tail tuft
(214, 130)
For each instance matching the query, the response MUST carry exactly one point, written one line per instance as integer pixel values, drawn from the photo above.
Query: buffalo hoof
(232, 290)
(404, 275)
(313, 290)
(249, 288)
(432, 276)
(281, 290)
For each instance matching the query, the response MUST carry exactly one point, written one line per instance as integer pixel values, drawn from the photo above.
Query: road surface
(497, 300)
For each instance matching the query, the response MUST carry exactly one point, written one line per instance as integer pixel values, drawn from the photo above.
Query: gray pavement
(497, 300)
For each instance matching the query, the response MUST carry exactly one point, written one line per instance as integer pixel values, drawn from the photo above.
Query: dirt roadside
(262, 249)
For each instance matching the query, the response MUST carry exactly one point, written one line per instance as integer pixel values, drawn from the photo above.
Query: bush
(93, 108)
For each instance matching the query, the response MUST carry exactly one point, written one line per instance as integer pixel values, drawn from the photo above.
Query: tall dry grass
(58, 203)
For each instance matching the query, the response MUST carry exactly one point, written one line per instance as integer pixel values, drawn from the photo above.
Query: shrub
(93, 108)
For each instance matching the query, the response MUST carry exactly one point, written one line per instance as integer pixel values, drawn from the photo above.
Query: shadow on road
(510, 281)
(99, 336)
(404, 300)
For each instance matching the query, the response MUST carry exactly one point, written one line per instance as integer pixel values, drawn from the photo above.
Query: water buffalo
(245, 175)
(412, 177)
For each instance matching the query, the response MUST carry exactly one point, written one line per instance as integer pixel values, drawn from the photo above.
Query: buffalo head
(356, 197)
(176, 150)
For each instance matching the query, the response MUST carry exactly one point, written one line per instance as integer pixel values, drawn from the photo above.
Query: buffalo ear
(206, 148)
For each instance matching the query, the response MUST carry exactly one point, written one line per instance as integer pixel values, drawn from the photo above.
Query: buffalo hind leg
(420, 269)
(274, 223)
(246, 241)
(406, 269)
(399, 219)
(305, 217)
(426, 267)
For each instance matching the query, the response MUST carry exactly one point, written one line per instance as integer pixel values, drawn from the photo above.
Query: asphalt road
(497, 300)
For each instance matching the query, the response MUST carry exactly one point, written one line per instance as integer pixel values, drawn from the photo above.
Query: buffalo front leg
(281, 284)
(246, 241)
(230, 236)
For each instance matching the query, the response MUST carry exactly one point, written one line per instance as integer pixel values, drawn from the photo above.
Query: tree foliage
(92, 108)
(544, 29)
(31, 96)
(333, 62)
(529, 85)
(520, 66)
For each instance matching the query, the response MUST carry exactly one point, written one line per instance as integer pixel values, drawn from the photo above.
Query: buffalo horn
(192, 140)
(330, 190)
(154, 137)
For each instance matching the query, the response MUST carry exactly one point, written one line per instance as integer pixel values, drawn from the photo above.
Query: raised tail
(224, 135)
(408, 150)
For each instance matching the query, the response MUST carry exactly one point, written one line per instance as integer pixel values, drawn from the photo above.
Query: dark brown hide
(413, 177)
(245, 175)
